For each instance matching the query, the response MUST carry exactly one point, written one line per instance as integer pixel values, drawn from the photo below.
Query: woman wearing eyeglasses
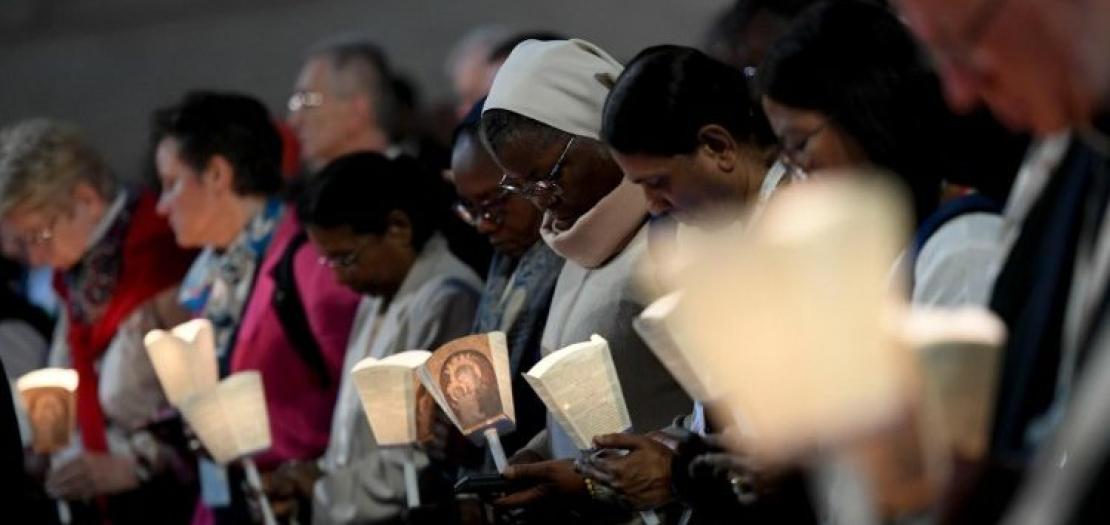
(847, 87)
(377, 223)
(116, 270)
(521, 280)
(273, 307)
(541, 123)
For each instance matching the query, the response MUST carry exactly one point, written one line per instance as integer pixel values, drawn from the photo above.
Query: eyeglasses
(304, 99)
(40, 236)
(491, 210)
(790, 152)
(794, 172)
(347, 260)
(543, 193)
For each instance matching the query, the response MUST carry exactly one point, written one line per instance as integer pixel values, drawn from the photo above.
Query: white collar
(106, 221)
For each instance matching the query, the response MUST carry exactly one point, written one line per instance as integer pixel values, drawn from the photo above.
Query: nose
(37, 255)
(960, 88)
(658, 204)
(163, 206)
(295, 119)
(486, 227)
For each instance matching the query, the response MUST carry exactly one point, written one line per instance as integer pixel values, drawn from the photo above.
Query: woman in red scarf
(117, 270)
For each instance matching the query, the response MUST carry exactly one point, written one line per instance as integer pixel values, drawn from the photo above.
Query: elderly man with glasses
(343, 101)
(1043, 67)
(541, 123)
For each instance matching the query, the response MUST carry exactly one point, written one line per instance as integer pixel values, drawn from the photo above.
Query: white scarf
(603, 231)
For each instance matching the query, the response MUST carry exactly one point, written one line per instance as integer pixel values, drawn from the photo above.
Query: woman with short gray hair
(117, 270)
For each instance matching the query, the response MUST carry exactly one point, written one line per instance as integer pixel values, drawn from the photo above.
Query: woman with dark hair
(848, 87)
(273, 307)
(377, 221)
(682, 127)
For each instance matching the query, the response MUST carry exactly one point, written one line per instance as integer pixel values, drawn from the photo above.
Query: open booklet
(400, 410)
(184, 359)
(578, 384)
(658, 329)
(48, 397)
(959, 353)
(231, 419)
(469, 379)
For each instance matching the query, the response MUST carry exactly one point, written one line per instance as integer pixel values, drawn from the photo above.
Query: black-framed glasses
(491, 210)
(544, 192)
(790, 152)
(347, 260)
(794, 171)
(304, 99)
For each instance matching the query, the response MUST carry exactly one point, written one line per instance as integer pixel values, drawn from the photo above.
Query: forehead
(930, 18)
(644, 164)
(529, 154)
(333, 238)
(167, 151)
(470, 161)
(315, 74)
(784, 117)
(23, 217)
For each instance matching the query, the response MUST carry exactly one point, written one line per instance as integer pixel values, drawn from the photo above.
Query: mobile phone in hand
(488, 484)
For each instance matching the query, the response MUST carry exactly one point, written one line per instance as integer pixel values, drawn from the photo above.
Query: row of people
(575, 167)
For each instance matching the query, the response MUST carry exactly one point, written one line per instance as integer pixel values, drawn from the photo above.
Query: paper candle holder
(184, 359)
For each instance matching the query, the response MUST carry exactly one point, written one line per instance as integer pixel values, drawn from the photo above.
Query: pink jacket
(300, 409)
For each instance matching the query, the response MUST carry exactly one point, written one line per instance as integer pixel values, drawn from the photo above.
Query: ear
(219, 175)
(719, 145)
(364, 110)
(398, 228)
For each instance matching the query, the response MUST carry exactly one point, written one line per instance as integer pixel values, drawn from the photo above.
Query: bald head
(343, 101)
(1039, 65)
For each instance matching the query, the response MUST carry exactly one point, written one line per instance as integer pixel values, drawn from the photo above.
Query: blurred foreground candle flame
(790, 317)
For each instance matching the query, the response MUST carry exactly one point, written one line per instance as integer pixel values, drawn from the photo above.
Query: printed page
(578, 383)
(499, 351)
(388, 400)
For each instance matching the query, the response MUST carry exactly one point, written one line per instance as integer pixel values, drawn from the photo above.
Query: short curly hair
(42, 161)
